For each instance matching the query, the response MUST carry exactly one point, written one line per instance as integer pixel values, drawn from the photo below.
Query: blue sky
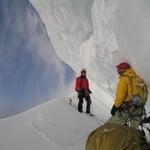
(30, 71)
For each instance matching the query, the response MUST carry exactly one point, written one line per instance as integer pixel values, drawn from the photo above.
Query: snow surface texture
(96, 35)
(55, 125)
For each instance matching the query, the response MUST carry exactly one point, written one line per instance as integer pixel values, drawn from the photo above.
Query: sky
(30, 70)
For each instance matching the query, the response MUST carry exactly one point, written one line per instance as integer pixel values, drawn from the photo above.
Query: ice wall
(131, 21)
(98, 34)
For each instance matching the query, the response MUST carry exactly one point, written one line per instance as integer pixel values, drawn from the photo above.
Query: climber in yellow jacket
(122, 111)
(124, 88)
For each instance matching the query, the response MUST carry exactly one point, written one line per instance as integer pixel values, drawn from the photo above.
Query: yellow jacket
(124, 88)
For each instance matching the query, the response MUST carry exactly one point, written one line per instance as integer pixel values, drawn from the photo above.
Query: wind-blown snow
(81, 38)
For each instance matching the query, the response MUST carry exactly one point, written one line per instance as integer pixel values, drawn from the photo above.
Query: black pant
(88, 102)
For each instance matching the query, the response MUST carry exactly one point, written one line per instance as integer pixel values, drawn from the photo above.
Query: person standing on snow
(123, 109)
(82, 87)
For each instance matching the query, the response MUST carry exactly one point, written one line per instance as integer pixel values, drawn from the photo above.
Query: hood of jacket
(129, 73)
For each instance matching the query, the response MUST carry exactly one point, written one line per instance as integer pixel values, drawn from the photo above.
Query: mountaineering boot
(80, 111)
(88, 112)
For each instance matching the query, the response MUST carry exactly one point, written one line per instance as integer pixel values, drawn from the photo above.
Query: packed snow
(54, 125)
(91, 34)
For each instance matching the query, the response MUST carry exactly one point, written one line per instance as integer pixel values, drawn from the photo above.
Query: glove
(90, 92)
(146, 120)
(113, 110)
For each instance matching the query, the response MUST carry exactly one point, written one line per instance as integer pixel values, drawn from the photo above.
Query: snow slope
(54, 125)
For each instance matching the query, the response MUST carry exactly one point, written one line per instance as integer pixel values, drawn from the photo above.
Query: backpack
(139, 91)
(126, 138)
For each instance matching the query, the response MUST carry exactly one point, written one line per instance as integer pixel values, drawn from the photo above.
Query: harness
(132, 113)
(131, 109)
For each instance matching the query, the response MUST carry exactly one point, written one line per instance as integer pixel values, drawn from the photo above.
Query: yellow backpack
(139, 90)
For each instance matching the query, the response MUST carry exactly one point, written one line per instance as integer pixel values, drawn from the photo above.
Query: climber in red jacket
(82, 87)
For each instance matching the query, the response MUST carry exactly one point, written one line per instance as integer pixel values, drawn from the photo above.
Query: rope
(98, 121)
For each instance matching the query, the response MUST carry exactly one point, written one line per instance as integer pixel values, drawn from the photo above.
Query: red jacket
(81, 84)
